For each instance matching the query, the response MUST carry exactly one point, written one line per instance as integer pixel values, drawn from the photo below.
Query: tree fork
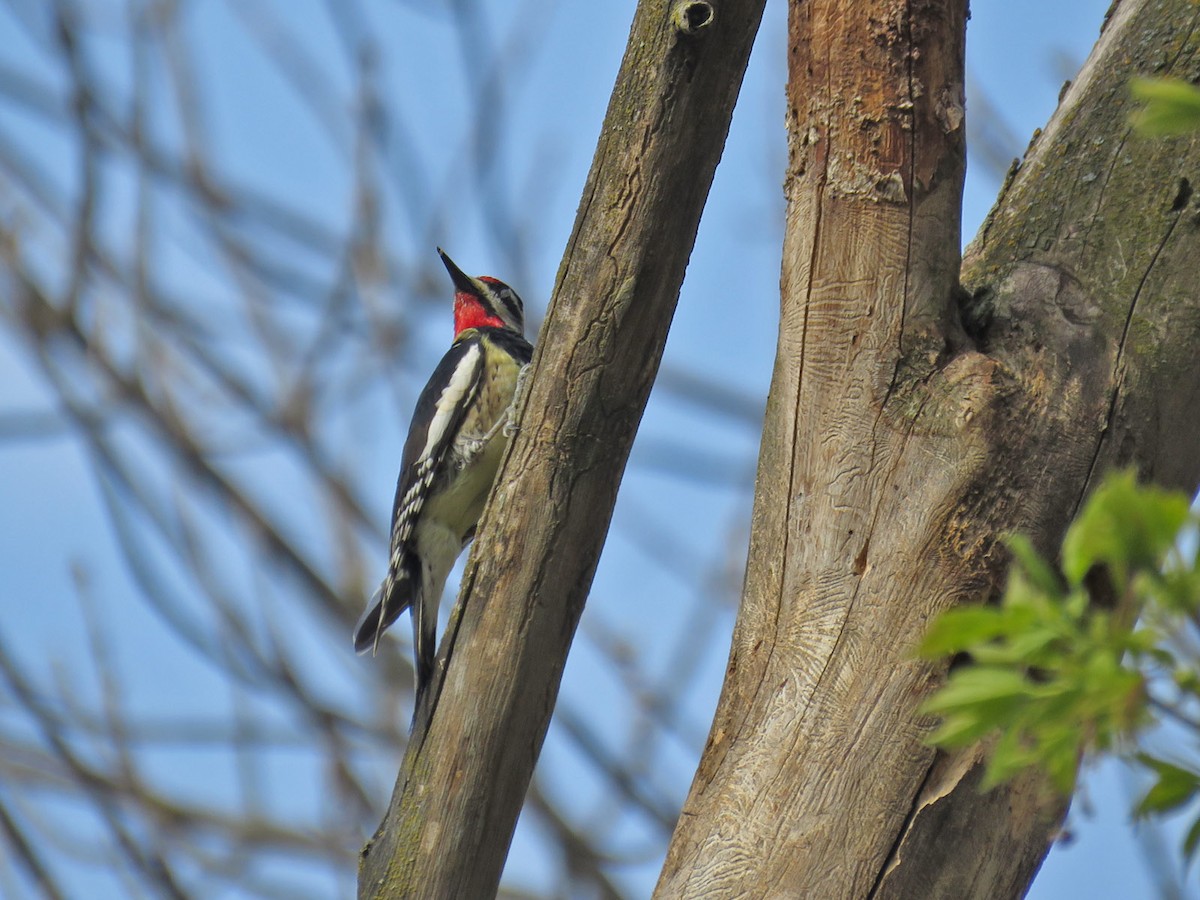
(898, 448)
(465, 773)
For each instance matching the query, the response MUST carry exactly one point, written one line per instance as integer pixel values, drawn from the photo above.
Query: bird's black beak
(462, 281)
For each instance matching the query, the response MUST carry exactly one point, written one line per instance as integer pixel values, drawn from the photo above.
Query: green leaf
(981, 687)
(1077, 604)
(959, 730)
(1191, 842)
(961, 628)
(1060, 756)
(1171, 106)
(1125, 527)
(1051, 676)
(1040, 573)
(1187, 680)
(1175, 787)
(1030, 647)
(1014, 752)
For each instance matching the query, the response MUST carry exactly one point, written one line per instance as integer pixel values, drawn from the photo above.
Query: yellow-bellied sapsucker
(457, 437)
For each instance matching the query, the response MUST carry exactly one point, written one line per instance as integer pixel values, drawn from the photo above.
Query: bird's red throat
(470, 313)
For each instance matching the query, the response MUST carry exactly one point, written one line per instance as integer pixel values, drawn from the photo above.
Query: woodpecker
(458, 434)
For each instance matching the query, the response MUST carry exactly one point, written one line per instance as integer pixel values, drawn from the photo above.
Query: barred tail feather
(393, 597)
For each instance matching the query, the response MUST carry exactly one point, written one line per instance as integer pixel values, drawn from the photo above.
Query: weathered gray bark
(463, 779)
(906, 432)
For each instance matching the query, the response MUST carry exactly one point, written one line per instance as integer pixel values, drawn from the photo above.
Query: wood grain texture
(1087, 270)
(464, 777)
(898, 447)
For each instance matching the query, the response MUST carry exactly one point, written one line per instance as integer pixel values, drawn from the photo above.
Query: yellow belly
(461, 504)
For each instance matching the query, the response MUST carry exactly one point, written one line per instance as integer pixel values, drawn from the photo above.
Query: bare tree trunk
(465, 774)
(903, 439)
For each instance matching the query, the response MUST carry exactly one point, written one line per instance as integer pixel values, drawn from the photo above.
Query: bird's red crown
(482, 302)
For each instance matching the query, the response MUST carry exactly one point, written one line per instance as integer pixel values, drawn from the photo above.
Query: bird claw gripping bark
(510, 420)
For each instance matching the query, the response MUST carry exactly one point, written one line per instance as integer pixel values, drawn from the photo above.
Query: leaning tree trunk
(466, 770)
(909, 427)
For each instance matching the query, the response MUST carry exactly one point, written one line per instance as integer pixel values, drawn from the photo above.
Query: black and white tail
(395, 595)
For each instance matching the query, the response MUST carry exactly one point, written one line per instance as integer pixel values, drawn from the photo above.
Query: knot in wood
(692, 16)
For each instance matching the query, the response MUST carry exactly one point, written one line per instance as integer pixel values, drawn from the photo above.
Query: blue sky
(537, 129)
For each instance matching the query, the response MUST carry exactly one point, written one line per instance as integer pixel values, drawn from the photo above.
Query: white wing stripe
(448, 402)
(459, 390)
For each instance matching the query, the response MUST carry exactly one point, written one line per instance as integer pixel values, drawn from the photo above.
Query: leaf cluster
(1086, 656)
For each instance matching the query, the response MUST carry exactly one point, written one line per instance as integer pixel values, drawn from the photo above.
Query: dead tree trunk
(909, 427)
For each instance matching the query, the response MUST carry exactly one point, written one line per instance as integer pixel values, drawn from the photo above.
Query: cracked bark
(900, 443)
